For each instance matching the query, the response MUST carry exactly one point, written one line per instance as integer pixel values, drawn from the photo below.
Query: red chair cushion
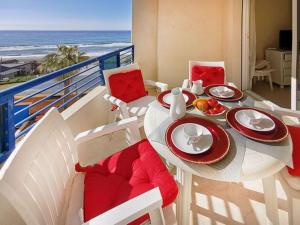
(208, 74)
(123, 176)
(295, 134)
(127, 86)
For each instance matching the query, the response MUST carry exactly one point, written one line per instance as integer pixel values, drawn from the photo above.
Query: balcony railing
(23, 105)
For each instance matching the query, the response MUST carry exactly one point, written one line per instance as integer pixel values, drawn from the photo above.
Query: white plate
(264, 123)
(221, 92)
(168, 98)
(180, 141)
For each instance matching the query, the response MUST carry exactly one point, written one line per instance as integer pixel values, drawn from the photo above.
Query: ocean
(32, 44)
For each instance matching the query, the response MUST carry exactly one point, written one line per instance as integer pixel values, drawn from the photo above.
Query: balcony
(211, 201)
(44, 120)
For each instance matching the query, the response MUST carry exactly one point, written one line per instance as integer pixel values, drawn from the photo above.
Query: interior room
(273, 50)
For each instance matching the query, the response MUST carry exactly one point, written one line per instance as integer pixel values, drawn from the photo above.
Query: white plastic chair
(40, 186)
(187, 83)
(262, 70)
(135, 108)
(290, 184)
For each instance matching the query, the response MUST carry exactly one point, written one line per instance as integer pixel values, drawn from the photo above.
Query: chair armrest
(265, 104)
(161, 86)
(130, 210)
(282, 111)
(121, 104)
(130, 123)
(114, 100)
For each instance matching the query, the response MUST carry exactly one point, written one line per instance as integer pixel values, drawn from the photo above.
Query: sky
(65, 14)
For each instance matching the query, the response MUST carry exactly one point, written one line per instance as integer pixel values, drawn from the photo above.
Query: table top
(255, 164)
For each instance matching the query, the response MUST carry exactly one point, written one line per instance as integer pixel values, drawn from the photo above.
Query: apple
(211, 112)
(221, 108)
(212, 102)
(216, 111)
(206, 111)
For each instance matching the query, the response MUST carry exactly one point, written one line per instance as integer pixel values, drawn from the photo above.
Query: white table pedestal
(184, 198)
(269, 187)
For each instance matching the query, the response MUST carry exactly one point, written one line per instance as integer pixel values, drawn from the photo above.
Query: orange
(202, 105)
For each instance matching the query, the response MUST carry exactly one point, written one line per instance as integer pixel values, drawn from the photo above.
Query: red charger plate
(278, 134)
(218, 150)
(238, 95)
(189, 103)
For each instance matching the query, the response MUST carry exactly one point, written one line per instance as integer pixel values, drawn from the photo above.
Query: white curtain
(252, 40)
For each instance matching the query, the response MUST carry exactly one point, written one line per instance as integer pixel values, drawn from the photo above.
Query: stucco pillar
(144, 35)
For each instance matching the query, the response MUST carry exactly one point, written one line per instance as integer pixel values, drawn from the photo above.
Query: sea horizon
(38, 43)
(65, 30)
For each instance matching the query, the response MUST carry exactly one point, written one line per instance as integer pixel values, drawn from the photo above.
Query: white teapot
(178, 105)
(197, 87)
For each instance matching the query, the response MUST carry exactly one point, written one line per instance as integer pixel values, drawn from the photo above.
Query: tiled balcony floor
(231, 203)
(280, 96)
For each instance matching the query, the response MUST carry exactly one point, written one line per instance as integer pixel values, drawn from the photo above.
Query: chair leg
(112, 117)
(294, 209)
(269, 186)
(290, 210)
(255, 79)
(251, 82)
(271, 82)
(156, 216)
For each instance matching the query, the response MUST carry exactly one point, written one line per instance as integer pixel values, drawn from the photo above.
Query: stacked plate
(224, 93)
(256, 124)
(209, 143)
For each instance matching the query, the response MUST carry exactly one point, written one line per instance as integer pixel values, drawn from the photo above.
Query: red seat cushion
(127, 86)
(208, 74)
(123, 176)
(295, 134)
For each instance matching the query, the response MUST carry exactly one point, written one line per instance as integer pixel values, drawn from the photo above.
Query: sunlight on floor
(280, 96)
(232, 203)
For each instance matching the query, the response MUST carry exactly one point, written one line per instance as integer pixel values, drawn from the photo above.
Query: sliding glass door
(295, 81)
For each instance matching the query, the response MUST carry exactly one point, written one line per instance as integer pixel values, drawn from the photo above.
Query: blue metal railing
(22, 105)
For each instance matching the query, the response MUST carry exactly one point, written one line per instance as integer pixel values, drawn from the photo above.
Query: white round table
(255, 166)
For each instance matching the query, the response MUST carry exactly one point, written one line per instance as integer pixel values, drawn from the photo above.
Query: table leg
(184, 199)
(269, 186)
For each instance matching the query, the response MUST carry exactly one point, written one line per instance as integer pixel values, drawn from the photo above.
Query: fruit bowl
(210, 107)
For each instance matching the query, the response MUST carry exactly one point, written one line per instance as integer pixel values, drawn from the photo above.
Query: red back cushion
(127, 86)
(295, 134)
(208, 74)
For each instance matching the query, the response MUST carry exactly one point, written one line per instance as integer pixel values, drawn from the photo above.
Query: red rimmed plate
(238, 95)
(187, 95)
(278, 134)
(218, 149)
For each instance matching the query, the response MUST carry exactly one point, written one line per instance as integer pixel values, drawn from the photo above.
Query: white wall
(232, 39)
(144, 35)
(271, 17)
(169, 33)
